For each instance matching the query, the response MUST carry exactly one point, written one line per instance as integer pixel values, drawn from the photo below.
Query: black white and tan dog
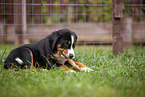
(57, 49)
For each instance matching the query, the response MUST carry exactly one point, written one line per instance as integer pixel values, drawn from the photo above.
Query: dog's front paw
(45, 70)
(86, 69)
(70, 71)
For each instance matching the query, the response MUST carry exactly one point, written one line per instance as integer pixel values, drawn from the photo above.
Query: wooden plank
(118, 8)
(117, 15)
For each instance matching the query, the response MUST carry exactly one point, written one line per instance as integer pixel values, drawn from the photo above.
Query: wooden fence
(23, 16)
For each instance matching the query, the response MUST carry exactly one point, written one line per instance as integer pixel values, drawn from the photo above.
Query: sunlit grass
(113, 76)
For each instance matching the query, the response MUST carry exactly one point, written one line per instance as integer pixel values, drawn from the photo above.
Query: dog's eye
(74, 45)
(66, 45)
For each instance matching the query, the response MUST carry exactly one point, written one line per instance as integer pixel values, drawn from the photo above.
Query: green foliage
(95, 11)
(135, 10)
(80, 11)
(113, 76)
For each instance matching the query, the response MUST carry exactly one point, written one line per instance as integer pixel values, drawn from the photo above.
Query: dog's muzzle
(70, 56)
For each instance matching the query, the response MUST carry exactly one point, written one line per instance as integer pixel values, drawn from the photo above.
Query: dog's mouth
(61, 53)
(64, 56)
(65, 53)
(68, 56)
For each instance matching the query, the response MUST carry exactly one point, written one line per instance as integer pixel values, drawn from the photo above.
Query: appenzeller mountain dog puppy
(54, 50)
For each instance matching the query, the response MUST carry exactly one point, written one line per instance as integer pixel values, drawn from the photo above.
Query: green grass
(113, 76)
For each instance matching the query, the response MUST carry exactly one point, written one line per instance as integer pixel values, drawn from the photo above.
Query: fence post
(24, 22)
(117, 14)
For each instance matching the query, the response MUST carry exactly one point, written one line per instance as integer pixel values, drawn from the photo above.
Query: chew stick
(73, 64)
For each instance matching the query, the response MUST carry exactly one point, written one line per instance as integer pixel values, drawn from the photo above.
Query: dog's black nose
(71, 56)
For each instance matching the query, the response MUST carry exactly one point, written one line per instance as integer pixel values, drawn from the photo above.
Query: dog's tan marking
(31, 66)
(39, 69)
(12, 65)
(53, 57)
(65, 51)
(59, 50)
(80, 64)
(74, 43)
(63, 67)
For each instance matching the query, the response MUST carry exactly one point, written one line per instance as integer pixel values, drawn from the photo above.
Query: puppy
(57, 49)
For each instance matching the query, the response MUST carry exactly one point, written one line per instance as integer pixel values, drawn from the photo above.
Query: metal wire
(53, 18)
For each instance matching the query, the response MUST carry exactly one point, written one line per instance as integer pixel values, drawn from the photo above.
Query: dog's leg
(19, 57)
(75, 66)
(80, 64)
(27, 57)
(66, 69)
(8, 65)
(83, 67)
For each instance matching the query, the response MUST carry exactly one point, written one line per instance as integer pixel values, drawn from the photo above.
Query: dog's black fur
(44, 52)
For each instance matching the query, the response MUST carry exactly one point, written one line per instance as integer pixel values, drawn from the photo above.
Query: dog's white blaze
(71, 51)
(19, 60)
(72, 39)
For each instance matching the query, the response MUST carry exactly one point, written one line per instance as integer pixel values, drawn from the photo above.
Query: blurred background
(28, 21)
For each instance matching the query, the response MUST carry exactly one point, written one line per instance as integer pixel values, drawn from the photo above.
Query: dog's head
(64, 43)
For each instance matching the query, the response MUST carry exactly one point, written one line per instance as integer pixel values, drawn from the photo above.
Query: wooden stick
(74, 65)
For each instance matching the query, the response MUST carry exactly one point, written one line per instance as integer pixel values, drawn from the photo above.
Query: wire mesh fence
(27, 21)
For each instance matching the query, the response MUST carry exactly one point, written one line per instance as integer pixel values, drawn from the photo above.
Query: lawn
(113, 76)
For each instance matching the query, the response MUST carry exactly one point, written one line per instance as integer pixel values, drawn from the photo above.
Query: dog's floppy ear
(55, 39)
(54, 44)
(76, 37)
